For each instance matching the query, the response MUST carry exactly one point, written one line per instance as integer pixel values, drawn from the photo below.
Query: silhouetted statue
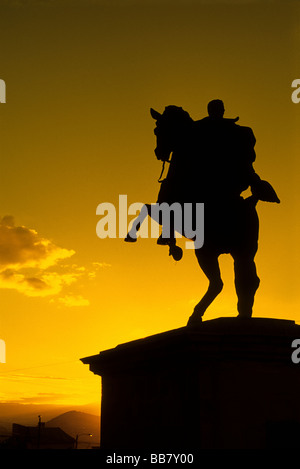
(212, 162)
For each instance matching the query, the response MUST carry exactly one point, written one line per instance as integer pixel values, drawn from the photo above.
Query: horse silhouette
(208, 166)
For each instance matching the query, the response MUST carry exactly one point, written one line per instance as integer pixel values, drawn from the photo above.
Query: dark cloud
(23, 247)
(36, 283)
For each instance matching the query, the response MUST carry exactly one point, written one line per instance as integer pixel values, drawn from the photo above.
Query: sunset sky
(76, 131)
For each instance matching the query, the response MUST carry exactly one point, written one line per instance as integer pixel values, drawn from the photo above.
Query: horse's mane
(177, 113)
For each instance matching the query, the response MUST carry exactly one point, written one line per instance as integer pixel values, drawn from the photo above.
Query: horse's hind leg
(246, 284)
(246, 279)
(209, 263)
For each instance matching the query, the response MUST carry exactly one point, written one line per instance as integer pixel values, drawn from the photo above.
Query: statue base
(230, 383)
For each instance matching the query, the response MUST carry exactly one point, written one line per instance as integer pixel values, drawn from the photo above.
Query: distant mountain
(85, 420)
(79, 423)
(27, 414)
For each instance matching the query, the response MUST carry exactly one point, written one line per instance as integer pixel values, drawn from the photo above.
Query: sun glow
(76, 132)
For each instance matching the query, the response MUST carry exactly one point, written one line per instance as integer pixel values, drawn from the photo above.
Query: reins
(162, 170)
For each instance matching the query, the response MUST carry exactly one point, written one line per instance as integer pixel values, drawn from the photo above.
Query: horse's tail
(263, 191)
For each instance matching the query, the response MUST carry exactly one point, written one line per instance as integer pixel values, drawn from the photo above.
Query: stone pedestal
(228, 384)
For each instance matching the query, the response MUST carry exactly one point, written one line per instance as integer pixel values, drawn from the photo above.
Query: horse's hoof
(194, 321)
(130, 239)
(176, 252)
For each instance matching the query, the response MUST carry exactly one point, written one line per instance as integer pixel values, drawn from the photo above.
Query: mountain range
(73, 422)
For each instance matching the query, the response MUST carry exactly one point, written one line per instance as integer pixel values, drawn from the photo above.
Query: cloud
(26, 377)
(70, 301)
(33, 265)
(39, 398)
(22, 247)
(101, 264)
(45, 285)
(26, 259)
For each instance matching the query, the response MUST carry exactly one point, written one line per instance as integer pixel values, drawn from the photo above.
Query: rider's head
(216, 109)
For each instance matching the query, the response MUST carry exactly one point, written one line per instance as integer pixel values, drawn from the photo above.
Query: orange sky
(76, 131)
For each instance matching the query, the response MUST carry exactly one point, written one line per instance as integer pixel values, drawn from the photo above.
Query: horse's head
(170, 130)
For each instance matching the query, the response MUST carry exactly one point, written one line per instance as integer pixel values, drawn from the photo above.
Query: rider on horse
(225, 157)
(212, 163)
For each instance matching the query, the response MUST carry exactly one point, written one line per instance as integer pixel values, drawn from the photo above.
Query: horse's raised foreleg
(209, 263)
(167, 237)
(132, 234)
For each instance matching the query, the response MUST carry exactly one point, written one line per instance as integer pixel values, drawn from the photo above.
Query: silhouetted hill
(85, 420)
(79, 423)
